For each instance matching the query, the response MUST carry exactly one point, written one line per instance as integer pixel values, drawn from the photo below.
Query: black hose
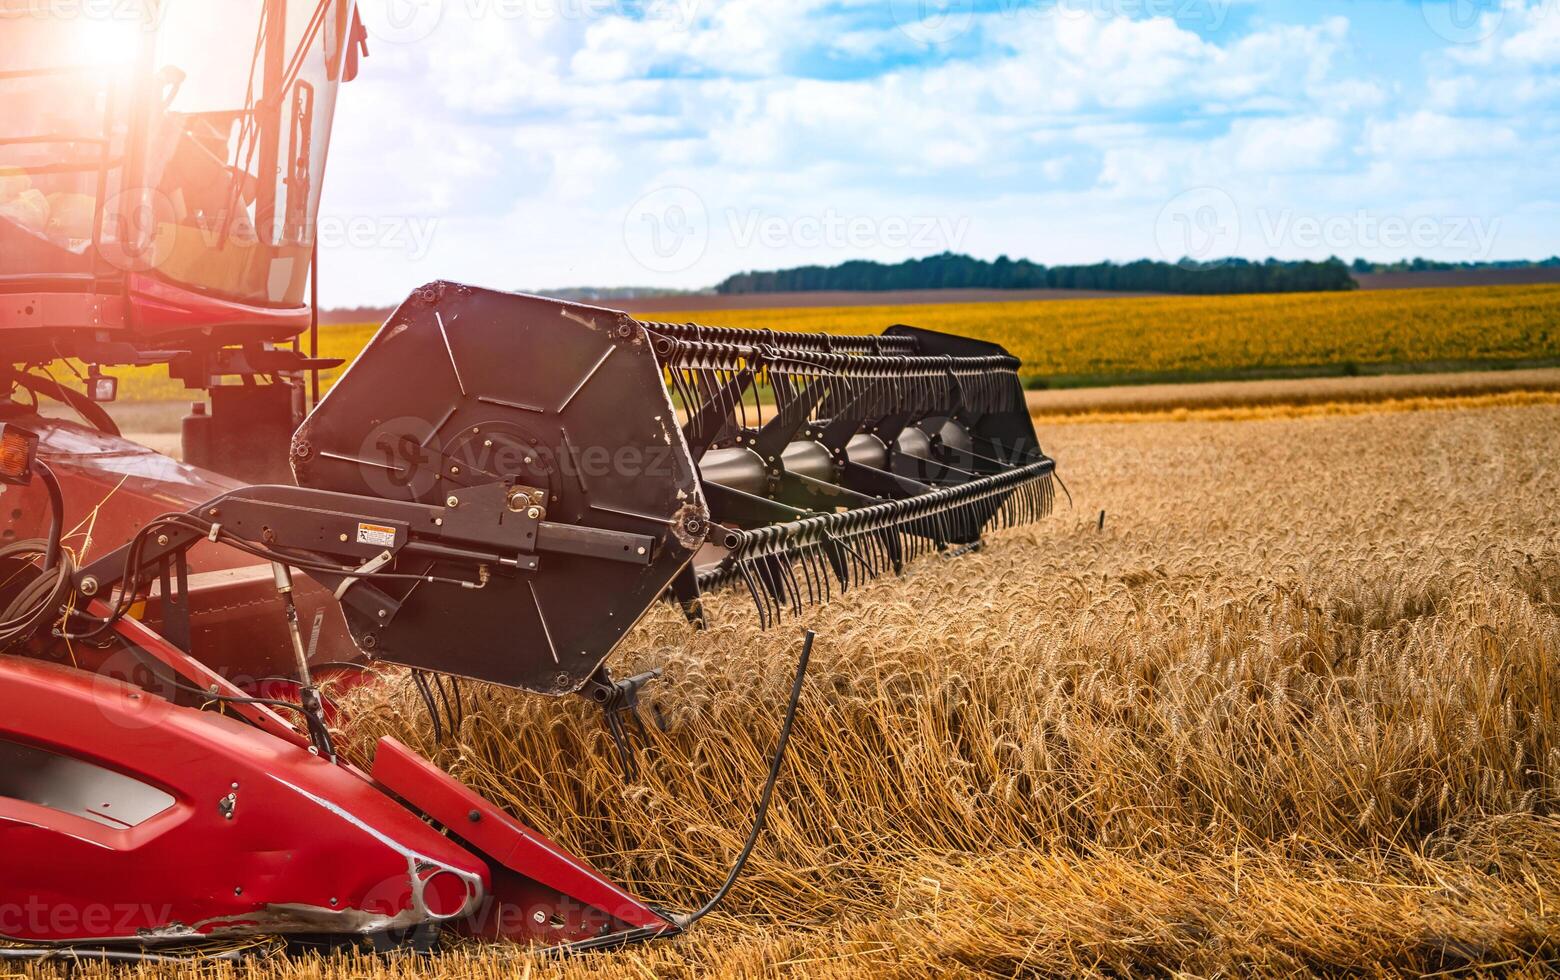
(762, 813)
(51, 483)
(89, 410)
(36, 602)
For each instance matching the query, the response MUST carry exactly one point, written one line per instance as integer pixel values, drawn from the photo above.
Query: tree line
(951, 271)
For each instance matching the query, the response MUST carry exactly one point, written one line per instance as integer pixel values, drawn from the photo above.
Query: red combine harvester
(497, 489)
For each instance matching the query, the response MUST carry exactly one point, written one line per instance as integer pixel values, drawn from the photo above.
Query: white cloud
(1056, 136)
(1432, 136)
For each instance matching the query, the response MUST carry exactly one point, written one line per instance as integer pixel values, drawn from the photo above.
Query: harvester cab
(496, 490)
(160, 176)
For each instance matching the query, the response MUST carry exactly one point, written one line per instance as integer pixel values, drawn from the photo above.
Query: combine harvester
(497, 489)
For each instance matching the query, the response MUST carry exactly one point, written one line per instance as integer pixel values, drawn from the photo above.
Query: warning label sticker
(376, 535)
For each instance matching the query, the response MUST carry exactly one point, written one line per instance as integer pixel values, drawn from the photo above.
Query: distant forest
(1430, 265)
(950, 271)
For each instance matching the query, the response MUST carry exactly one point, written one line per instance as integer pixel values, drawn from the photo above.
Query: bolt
(162, 540)
(213, 512)
(238, 891)
(455, 471)
(539, 916)
(334, 901)
(453, 501)
(89, 586)
(343, 539)
(534, 513)
(641, 549)
(474, 816)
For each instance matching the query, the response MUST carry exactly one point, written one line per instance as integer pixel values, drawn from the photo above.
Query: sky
(536, 144)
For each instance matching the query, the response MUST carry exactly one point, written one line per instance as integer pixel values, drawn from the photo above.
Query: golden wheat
(1295, 708)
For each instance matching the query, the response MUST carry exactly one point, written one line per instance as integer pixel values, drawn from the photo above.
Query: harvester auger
(496, 489)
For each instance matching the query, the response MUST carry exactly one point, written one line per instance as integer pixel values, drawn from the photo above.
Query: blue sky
(551, 143)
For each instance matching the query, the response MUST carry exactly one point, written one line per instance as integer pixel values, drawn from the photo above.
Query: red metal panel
(160, 309)
(548, 895)
(62, 311)
(261, 837)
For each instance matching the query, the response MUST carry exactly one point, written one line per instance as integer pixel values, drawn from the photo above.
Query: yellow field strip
(1247, 413)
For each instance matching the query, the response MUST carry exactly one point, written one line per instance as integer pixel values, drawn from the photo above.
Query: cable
(133, 567)
(51, 484)
(762, 814)
(90, 411)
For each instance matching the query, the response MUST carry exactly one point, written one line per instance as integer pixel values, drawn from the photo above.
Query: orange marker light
(18, 448)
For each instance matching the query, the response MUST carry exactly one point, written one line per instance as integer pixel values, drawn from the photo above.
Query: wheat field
(1296, 707)
(1137, 338)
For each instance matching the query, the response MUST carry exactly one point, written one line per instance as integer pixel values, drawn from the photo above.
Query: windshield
(63, 84)
(187, 141)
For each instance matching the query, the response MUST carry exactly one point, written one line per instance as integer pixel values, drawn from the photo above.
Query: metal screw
(539, 916)
(162, 540)
(534, 513)
(343, 539)
(455, 471)
(453, 501)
